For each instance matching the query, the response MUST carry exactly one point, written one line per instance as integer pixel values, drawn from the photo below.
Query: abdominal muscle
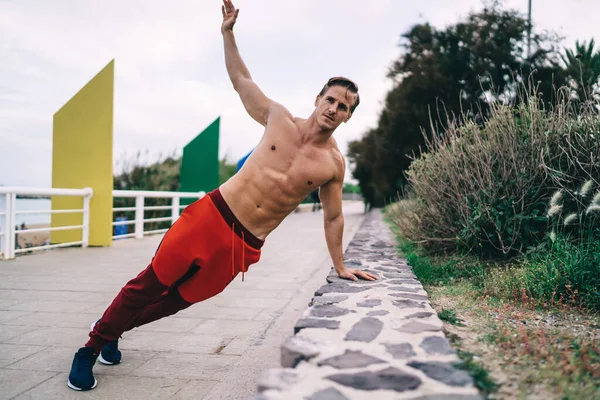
(272, 184)
(256, 200)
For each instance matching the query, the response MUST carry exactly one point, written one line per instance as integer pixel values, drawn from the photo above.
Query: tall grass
(485, 188)
(523, 186)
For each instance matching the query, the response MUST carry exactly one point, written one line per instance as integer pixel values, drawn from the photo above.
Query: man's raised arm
(256, 103)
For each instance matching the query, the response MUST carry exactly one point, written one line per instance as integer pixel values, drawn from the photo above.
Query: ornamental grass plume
(554, 210)
(593, 208)
(570, 218)
(585, 188)
(556, 197)
(554, 207)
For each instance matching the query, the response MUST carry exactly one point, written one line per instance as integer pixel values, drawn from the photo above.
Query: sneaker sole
(69, 384)
(103, 361)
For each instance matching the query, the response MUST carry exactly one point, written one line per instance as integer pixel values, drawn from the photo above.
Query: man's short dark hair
(343, 82)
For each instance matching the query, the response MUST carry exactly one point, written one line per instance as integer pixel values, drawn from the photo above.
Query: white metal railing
(9, 231)
(8, 235)
(140, 208)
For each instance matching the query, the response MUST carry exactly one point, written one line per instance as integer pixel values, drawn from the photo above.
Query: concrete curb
(369, 340)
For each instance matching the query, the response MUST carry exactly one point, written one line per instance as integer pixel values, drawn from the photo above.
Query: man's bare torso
(285, 167)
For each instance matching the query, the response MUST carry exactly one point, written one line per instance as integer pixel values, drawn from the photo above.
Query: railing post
(174, 210)
(85, 234)
(6, 228)
(11, 221)
(139, 217)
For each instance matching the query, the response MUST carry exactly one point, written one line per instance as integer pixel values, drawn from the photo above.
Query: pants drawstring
(243, 252)
(233, 252)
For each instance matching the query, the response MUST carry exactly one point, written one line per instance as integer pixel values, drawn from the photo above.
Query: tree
(443, 76)
(582, 67)
(226, 170)
(161, 175)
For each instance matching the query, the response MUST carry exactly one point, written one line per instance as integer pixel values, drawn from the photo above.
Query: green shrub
(485, 188)
(137, 172)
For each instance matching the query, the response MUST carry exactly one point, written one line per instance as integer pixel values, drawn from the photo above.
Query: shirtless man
(221, 235)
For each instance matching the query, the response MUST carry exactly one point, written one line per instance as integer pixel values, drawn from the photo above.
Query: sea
(29, 205)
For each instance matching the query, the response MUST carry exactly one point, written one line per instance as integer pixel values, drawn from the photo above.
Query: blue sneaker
(110, 354)
(81, 377)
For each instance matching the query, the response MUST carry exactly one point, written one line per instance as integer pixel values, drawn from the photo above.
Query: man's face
(333, 107)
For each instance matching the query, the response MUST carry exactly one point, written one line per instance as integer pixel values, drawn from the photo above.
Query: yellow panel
(82, 152)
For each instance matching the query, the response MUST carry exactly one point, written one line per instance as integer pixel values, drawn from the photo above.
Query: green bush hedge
(485, 188)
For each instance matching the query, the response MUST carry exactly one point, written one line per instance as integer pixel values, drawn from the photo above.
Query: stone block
(386, 379)
(443, 372)
(365, 330)
(400, 350)
(316, 323)
(329, 311)
(296, 349)
(277, 379)
(370, 303)
(351, 359)
(436, 345)
(328, 394)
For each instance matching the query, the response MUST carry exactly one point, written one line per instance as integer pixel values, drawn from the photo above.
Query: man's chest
(299, 166)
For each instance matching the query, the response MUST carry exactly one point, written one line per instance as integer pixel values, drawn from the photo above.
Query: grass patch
(438, 270)
(533, 322)
(563, 275)
(481, 377)
(450, 317)
(556, 347)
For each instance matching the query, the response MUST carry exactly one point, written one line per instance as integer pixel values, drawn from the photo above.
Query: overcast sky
(170, 76)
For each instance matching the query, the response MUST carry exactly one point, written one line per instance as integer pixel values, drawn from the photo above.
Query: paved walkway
(213, 350)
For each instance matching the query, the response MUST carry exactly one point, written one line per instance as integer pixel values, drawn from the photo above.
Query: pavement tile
(40, 295)
(194, 389)
(59, 359)
(171, 342)
(43, 320)
(51, 306)
(50, 336)
(9, 332)
(9, 315)
(14, 382)
(52, 319)
(10, 353)
(172, 325)
(109, 387)
(186, 366)
(233, 328)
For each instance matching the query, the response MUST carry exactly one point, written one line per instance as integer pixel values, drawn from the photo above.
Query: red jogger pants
(197, 258)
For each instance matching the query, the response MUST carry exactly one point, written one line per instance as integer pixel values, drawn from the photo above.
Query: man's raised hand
(230, 14)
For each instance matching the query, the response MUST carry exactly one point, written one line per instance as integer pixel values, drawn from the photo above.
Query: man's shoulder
(335, 151)
(338, 159)
(279, 111)
(334, 144)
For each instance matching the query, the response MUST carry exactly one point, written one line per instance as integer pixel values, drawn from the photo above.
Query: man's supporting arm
(331, 199)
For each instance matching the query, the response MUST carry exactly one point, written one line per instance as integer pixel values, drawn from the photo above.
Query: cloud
(170, 76)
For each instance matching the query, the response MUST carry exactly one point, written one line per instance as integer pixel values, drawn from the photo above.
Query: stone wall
(369, 340)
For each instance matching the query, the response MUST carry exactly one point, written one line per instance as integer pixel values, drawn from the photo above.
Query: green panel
(200, 162)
